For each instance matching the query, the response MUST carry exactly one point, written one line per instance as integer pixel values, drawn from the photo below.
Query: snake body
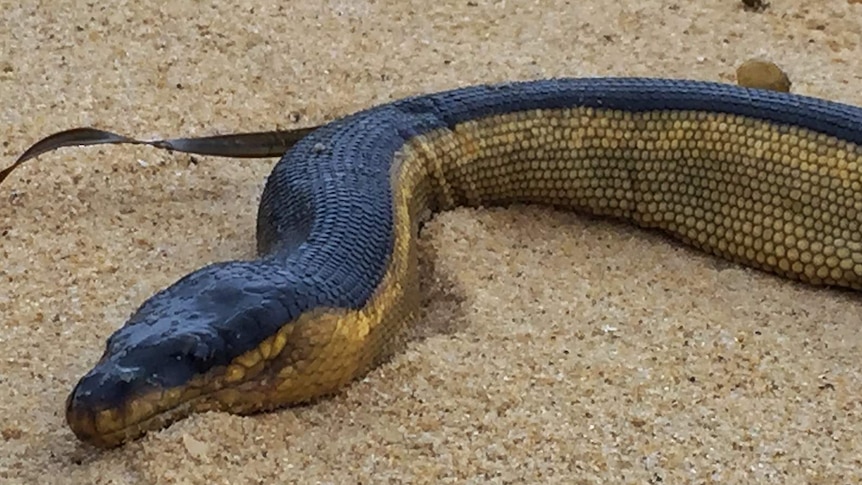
(767, 179)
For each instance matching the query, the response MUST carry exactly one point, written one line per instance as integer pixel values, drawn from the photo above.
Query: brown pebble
(755, 5)
(11, 433)
(762, 75)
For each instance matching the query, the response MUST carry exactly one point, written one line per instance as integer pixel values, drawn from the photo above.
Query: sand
(555, 348)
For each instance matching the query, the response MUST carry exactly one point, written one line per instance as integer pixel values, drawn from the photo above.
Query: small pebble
(755, 5)
(762, 75)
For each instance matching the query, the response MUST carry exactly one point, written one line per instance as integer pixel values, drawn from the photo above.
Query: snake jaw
(129, 392)
(109, 423)
(111, 427)
(107, 413)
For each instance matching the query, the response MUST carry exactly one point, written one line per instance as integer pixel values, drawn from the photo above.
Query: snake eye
(193, 354)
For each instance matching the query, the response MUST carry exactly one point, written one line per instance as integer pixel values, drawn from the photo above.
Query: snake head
(170, 354)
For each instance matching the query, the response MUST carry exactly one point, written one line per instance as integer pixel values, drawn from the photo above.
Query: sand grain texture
(555, 348)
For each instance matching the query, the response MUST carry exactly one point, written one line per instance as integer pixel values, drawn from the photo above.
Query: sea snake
(766, 179)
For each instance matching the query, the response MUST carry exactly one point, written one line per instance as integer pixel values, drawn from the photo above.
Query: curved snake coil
(766, 179)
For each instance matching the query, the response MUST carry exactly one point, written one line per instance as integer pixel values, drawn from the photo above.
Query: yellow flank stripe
(780, 198)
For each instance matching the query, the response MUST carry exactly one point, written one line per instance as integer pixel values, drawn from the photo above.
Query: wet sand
(555, 348)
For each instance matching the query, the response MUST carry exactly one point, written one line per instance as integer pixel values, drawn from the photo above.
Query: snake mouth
(108, 407)
(108, 427)
(106, 412)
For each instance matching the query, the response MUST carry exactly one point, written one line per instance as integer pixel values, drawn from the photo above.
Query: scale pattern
(768, 179)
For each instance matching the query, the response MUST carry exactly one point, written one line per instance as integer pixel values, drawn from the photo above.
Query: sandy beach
(554, 348)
